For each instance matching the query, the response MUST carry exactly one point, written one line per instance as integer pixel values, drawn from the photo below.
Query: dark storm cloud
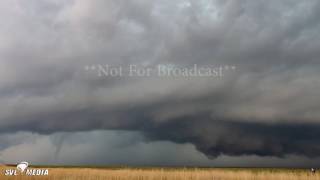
(119, 148)
(269, 106)
(216, 137)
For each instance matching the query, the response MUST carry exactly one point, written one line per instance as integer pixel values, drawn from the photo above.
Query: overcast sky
(263, 111)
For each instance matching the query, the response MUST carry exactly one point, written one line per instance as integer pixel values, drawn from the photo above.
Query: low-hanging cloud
(268, 106)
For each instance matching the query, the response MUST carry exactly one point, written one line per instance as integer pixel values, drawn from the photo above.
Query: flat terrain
(77, 173)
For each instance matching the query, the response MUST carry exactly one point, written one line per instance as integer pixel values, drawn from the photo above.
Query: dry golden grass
(167, 174)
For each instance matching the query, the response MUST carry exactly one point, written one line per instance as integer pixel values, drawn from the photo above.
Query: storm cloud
(268, 106)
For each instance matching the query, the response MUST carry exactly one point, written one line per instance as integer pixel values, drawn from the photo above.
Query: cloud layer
(269, 106)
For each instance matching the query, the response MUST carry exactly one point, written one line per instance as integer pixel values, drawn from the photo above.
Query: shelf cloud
(267, 105)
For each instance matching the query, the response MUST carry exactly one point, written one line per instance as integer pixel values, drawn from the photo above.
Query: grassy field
(74, 173)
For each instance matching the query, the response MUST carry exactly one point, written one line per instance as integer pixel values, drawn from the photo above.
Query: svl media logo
(22, 168)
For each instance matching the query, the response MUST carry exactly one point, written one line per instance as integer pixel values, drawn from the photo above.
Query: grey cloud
(262, 108)
(125, 148)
